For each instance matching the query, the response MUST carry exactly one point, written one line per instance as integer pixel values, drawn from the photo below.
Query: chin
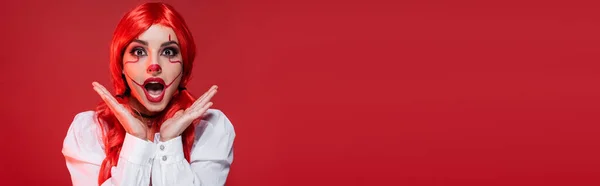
(154, 108)
(157, 106)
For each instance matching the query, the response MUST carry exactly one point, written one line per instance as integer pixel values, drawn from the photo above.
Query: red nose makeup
(154, 68)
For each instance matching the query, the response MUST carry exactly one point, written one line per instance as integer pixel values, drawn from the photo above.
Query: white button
(162, 147)
(164, 158)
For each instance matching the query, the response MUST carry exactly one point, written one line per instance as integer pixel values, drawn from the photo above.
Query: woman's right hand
(131, 124)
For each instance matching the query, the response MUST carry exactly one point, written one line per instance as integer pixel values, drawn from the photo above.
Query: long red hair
(134, 23)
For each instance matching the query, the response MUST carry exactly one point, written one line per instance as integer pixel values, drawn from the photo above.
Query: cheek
(134, 66)
(134, 73)
(171, 71)
(131, 59)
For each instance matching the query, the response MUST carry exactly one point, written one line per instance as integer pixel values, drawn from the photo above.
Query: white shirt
(142, 162)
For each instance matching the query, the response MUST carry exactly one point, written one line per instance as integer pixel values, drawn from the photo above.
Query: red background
(337, 92)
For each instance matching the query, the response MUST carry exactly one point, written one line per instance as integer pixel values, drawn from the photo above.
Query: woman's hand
(131, 124)
(174, 126)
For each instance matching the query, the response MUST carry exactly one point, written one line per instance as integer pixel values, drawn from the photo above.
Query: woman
(152, 132)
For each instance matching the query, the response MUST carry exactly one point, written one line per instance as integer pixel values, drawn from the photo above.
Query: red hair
(134, 23)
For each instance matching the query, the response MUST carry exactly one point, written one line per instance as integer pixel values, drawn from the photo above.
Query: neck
(140, 112)
(146, 116)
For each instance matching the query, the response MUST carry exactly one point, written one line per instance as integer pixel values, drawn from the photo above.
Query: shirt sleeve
(211, 155)
(83, 151)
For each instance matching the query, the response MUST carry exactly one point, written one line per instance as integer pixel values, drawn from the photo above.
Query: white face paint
(153, 68)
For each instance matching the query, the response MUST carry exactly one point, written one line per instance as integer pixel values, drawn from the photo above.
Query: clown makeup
(152, 67)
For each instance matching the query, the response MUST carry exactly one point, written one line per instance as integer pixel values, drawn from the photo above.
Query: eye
(138, 51)
(170, 52)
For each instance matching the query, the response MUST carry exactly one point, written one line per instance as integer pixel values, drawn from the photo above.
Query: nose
(154, 69)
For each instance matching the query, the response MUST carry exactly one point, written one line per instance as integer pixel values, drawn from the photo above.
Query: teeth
(154, 96)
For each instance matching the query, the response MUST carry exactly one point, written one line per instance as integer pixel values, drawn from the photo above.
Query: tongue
(155, 92)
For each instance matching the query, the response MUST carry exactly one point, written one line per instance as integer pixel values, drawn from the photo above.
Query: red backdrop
(337, 92)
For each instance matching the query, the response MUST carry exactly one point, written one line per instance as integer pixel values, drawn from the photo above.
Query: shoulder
(83, 134)
(218, 120)
(215, 131)
(84, 123)
(84, 117)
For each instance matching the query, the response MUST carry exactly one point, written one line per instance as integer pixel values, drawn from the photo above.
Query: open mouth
(154, 89)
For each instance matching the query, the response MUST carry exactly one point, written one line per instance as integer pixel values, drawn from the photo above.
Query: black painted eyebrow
(140, 42)
(168, 43)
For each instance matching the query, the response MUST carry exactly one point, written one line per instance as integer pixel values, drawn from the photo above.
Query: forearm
(171, 167)
(135, 163)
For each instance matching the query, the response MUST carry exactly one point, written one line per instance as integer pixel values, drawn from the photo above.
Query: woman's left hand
(174, 126)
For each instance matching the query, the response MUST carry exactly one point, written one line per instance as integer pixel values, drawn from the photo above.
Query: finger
(102, 88)
(178, 113)
(108, 97)
(200, 112)
(203, 95)
(187, 118)
(105, 99)
(204, 101)
(102, 95)
(197, 102)
(214, 87)
(112, 103)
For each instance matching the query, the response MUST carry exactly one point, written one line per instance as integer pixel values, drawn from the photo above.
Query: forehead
(158, 33)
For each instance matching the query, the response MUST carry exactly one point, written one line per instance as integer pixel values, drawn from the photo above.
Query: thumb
(178, 113)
